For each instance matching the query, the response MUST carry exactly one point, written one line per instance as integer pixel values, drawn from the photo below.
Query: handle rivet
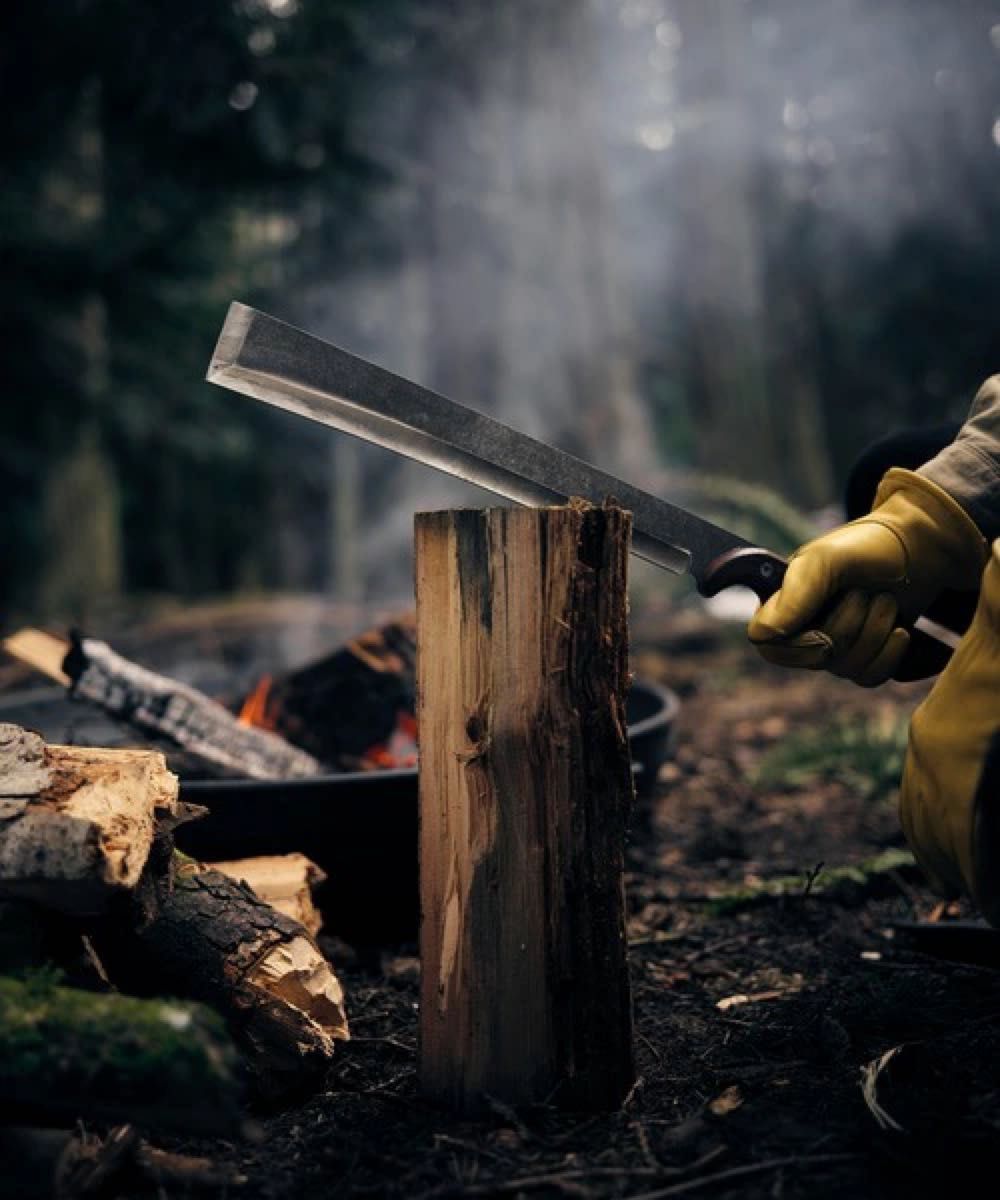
(767, 570)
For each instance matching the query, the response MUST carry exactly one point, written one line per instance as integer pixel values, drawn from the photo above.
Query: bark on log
(163, 707)
(210, 938)
(285, 881)
(76, 824)
(525, 787)
(66, 1055)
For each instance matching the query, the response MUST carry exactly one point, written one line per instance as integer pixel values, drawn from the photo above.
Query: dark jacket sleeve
(969, 469)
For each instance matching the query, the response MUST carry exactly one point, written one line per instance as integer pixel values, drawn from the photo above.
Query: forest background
(722, 241)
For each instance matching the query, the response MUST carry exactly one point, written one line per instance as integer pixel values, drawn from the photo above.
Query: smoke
(569, 178)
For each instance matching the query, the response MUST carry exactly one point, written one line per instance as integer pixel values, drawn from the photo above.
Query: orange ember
(254, 710)
(399, 751)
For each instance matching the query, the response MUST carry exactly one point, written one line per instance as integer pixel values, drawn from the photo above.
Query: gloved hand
(951, 822)
(848, 595)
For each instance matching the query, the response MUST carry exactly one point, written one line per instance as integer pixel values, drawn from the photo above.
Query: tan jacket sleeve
(969, 469)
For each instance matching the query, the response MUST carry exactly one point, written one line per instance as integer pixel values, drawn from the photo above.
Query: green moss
(836, 883)
(92, 1052)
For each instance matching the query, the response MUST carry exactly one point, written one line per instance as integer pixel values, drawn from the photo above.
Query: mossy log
(66, 1054)
(76, 823)
(211, 938)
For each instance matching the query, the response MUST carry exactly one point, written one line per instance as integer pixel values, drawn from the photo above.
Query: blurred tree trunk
(756, 402)
(569, 344)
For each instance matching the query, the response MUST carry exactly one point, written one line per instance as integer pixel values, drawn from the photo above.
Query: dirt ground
(761, 1018)
(792, 1039)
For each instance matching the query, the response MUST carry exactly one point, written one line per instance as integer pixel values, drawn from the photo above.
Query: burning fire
(254, 710)
(399, 751)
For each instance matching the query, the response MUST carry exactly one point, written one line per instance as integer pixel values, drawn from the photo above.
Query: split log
(208, 937)
(285, 881)
(65, 1054)
(162, 707)
(525, 787)
(76, 824)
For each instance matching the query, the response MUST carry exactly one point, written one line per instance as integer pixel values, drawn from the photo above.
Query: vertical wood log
(525, 787)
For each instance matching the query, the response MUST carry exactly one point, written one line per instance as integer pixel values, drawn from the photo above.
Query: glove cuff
(933, 526)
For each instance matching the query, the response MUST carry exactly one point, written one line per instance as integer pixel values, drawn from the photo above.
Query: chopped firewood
(211, 938)
(66, 1053)
(343, 707)
(285, 881)
(77, 823)
(43, 652)
(162, 707)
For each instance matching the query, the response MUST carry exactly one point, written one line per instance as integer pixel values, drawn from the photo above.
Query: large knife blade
(273, 361)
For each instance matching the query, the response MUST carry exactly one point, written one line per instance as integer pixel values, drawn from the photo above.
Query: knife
(272, 361)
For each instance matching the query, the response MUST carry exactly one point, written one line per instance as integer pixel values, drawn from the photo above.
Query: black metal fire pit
(362, 828)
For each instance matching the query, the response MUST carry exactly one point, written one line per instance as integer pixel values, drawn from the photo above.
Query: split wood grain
(525, 789)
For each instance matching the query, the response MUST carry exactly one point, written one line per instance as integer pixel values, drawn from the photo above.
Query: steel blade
(272, 361)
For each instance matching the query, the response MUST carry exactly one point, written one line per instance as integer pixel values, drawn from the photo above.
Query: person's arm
(848, 597)
(969, 469)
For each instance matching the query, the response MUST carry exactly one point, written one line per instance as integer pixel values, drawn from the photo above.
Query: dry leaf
(727, 1101)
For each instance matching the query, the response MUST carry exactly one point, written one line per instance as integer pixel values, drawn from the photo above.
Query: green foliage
(864, 753)
(835, 883)
(752, 510)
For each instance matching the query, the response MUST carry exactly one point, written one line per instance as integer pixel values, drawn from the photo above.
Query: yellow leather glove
(952, 826)
(848, 595)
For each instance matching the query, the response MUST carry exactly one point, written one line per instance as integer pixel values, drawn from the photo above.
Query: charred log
(161, 707)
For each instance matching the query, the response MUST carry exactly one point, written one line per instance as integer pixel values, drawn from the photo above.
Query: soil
(757, 1022)
(788, 1045)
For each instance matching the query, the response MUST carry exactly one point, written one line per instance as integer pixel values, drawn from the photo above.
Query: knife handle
(750, 567)
(764, 572)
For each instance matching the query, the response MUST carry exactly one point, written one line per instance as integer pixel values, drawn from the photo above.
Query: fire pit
(361, 827)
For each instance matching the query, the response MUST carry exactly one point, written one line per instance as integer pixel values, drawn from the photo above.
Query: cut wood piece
(76, 824)
(163, 707)
(285, 881)
(211, 939)
(43, 652)
(525, 787)
(67, 1055)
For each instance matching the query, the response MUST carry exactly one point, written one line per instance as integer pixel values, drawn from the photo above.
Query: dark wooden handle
(764, 572)
(751, 567)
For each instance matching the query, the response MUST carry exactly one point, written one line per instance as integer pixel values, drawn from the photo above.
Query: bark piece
(212, 939)
(525, 787)
(76, 823)
(285, 881)
(67, 1054)
(163, 707)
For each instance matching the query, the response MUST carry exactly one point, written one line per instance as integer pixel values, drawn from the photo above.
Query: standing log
(525, 787)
